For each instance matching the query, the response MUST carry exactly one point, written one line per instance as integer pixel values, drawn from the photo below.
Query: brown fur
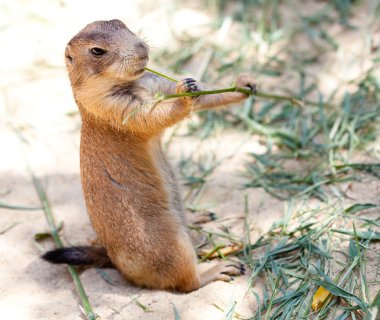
(130, 189)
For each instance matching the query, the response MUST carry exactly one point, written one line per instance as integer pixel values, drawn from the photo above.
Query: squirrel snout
(142, 50)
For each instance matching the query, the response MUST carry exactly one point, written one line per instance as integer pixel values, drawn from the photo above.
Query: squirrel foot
(224, 271)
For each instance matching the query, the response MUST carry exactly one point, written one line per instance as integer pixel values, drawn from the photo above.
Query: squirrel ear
(68, 56)
(117, 24)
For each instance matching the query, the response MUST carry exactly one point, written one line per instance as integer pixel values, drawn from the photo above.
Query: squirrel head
(105, 50)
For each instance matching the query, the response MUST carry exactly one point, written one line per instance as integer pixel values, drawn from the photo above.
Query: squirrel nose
(142, 50)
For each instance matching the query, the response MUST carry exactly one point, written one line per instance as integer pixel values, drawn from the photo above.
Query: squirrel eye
(97, 51)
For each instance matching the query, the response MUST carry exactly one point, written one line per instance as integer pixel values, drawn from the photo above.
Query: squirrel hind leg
(88, 256)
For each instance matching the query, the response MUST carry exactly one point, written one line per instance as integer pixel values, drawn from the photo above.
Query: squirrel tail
(89, 256)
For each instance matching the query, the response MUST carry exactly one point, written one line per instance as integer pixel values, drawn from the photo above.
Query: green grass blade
(357, 207)
(366, 235)
(176, 313)
(229, 313)
(54, 232)
(14, 207)
(374, 310)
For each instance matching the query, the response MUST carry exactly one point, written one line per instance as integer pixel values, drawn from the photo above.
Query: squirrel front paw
(186, 85)
(246, 81)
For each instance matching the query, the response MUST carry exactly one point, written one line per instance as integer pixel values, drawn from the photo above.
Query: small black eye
(97, 51)
(70, 58)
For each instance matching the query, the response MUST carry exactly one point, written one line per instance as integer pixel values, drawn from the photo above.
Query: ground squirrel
(132, 195)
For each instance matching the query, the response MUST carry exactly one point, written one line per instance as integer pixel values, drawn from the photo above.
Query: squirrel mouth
(137, 72)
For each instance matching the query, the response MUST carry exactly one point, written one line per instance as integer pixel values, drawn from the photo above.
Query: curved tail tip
(72, 256)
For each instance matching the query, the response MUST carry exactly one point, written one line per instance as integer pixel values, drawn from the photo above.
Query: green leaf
(366, 235)
(105, 276)
(307, 244)
(343, 316)
(353, 250)
(374, 310)
(329, 39)
(188, 181)
(229, 313)
(142, 306)
(359, 207)
(43, 235)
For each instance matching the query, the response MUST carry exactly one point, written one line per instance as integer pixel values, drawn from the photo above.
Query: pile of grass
(306, 251)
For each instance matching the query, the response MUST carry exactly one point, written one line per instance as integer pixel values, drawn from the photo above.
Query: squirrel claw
(187, 85)
(246, 81)
(252, 87)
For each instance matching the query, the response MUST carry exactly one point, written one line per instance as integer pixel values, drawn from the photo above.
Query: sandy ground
(34, 125)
